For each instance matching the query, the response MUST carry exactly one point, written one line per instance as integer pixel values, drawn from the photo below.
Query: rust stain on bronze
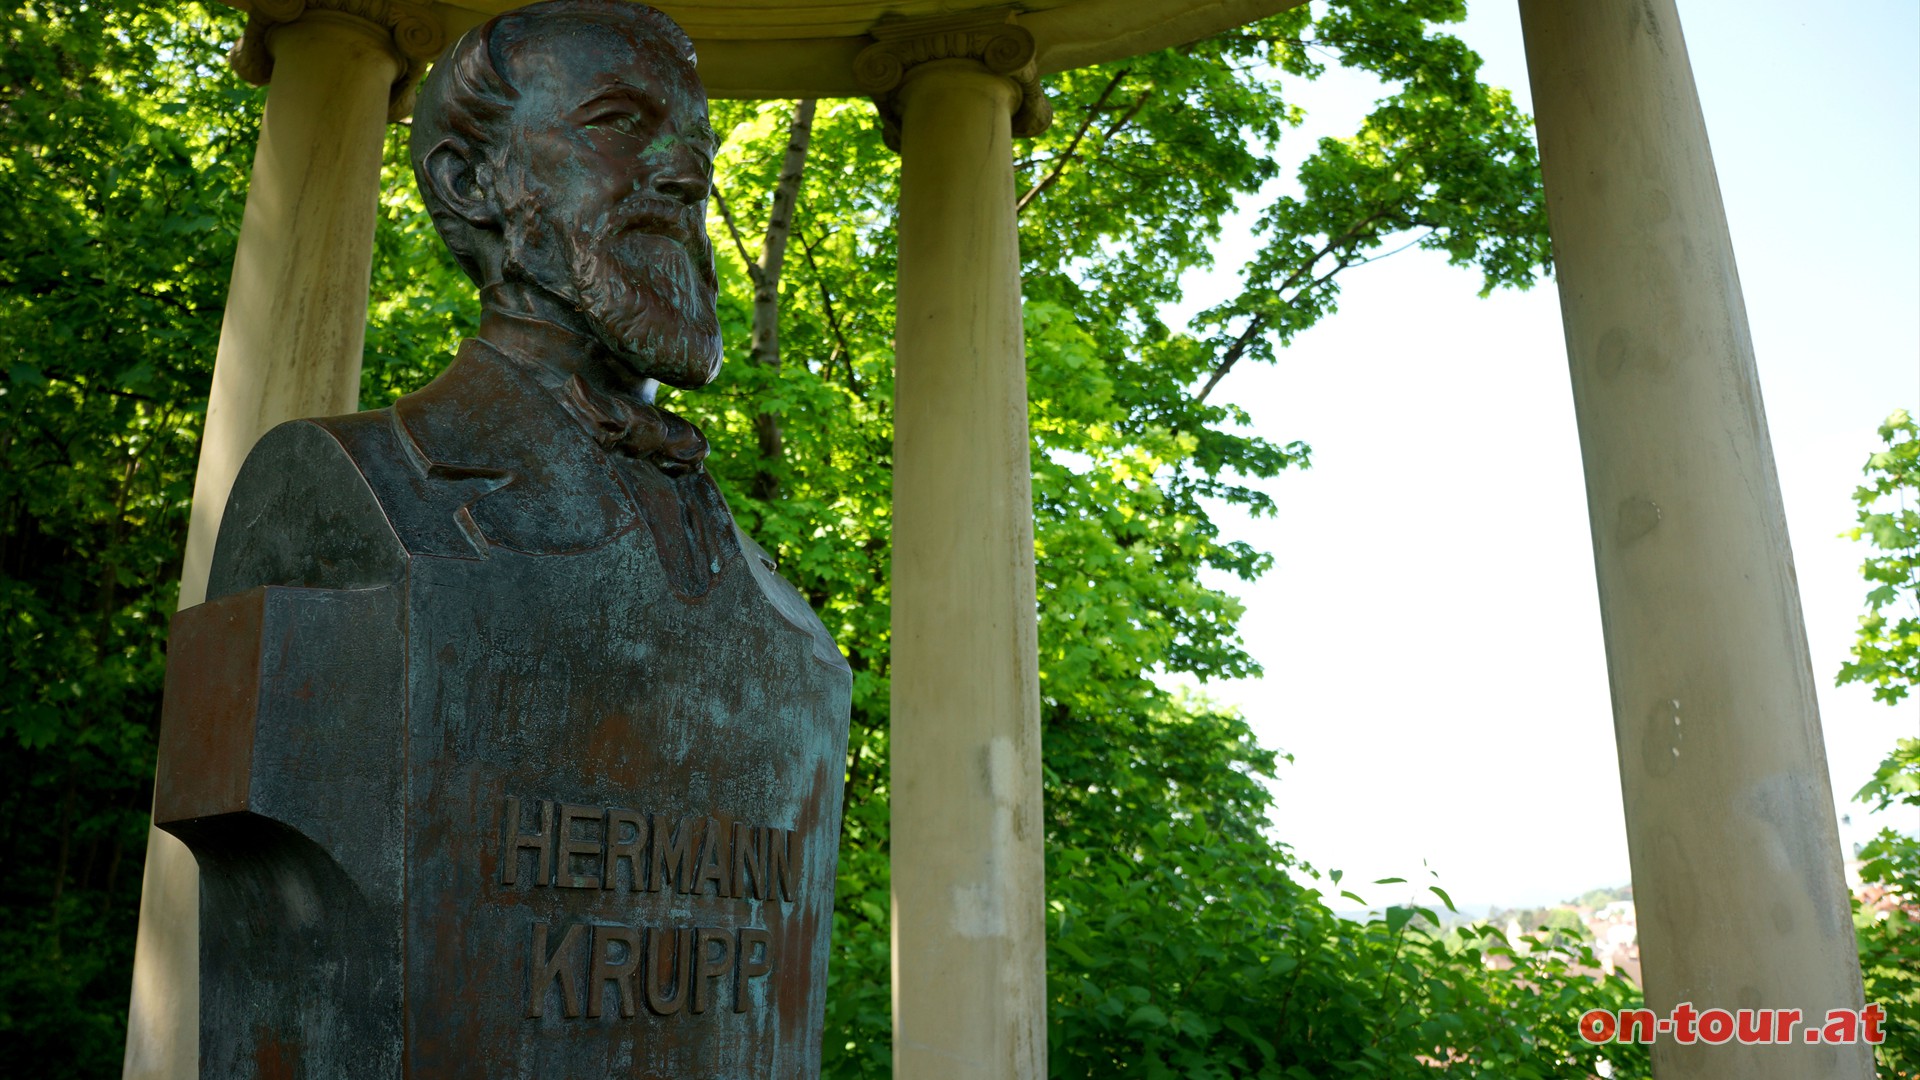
(207, 710)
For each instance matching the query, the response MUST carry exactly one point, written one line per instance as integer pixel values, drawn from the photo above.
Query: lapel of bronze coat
(488, 417)
(540, 482)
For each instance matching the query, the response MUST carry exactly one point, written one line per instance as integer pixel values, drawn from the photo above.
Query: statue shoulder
(787, 602)
(338, 502)
(323, 503)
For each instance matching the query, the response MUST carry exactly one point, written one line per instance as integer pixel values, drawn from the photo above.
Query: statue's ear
(460, 183)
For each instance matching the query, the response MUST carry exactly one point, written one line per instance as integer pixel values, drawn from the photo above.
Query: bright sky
(1431, 634)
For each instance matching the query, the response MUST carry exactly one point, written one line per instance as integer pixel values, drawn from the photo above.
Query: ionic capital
(994, 40)
(415, 34)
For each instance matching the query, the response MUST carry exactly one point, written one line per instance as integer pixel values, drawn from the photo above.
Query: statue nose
(686, 177)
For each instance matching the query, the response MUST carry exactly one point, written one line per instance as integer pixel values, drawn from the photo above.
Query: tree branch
(1073, 145)
(1232, 356)
(764, 344)
(833, 319)
(86, 387)
(1127, 117)
(752, 264)
(1240, 344)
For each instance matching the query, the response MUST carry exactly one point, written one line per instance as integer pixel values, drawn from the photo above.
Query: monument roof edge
(752, 49)
(1098, 31)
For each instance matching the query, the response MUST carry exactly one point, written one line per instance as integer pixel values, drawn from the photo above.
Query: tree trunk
(765, 342)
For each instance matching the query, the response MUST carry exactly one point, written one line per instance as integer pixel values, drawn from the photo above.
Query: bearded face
(642, 278)
(599, 193)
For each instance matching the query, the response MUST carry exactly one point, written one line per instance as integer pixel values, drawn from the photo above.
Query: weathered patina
(503, 751)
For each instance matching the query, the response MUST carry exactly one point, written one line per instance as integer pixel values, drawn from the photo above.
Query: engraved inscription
(557, 965)
(570, 846)
(607, 970)
(596, 969)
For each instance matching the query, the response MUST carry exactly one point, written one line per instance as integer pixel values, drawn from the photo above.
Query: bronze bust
(564, 153)
(502, 750)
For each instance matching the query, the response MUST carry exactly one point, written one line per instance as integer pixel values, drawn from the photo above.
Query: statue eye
(625, 122)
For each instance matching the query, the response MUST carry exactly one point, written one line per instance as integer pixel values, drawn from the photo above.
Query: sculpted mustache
(677, 223)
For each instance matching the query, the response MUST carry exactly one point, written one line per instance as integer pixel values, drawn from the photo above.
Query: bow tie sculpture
(637, 429)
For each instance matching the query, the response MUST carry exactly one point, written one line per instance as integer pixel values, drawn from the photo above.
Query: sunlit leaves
(1886, 652)
(1886, 657)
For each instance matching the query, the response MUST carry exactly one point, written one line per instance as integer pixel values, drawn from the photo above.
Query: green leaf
(1147, 1016)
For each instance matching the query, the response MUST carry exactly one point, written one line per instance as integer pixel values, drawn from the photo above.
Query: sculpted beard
(648, 297)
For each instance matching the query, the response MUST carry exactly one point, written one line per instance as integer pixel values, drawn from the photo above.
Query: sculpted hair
(468, 94)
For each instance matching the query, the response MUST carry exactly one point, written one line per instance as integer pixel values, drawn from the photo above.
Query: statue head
(565, 154)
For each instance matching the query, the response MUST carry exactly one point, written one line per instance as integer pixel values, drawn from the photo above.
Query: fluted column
(1730, 825)
(290, 346)
(969, 928)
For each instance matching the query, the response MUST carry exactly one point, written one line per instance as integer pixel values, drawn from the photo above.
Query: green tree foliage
(1886, 657)
(1886, 653)
(1184, 940)
(122, 153)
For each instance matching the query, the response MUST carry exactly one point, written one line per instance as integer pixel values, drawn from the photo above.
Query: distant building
(1616, 939)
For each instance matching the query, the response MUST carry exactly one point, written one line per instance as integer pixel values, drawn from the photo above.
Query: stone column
(1736, 857)
(290, 346)
(969, 928)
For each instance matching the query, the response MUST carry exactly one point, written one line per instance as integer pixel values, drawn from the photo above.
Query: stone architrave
(503, 752)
